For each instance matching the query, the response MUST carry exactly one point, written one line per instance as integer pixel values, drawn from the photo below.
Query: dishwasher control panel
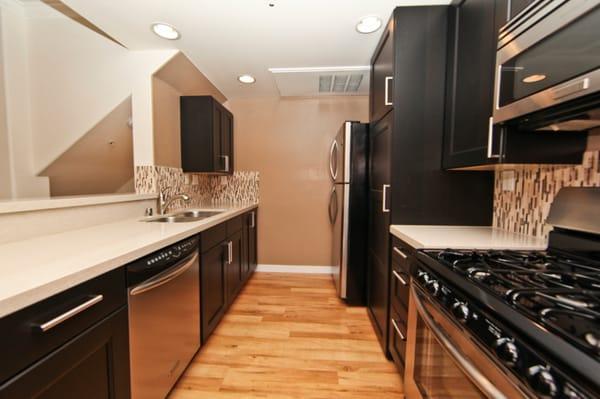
(160, 260)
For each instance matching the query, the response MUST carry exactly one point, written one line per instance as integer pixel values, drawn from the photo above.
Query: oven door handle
(166, 276)
(463, 362)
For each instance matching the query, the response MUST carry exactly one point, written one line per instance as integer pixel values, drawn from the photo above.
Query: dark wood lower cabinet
(213, 288)
(93, 365)
(228, 260)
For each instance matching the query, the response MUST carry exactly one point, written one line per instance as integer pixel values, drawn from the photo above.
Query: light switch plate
(508, 180)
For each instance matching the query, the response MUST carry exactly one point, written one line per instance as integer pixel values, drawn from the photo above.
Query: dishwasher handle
(166, 276)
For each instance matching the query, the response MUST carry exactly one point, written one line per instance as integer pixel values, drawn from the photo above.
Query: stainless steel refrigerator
(348, 210)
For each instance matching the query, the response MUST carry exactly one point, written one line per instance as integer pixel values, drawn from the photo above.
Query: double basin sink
(185, 216)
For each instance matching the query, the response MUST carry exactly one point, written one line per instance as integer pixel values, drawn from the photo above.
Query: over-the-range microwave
(548, 67)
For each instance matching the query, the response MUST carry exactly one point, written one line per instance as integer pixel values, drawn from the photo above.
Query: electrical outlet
(223, 180)
(508, 180)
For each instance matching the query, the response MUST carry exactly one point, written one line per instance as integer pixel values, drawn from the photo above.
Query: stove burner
(562, 292)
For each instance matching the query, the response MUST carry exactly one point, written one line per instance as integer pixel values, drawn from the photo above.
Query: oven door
(443, 360)
(550, 56)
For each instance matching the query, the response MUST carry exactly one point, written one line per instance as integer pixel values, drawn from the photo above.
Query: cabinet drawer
(35, 331)
(399, 286)
(213, 237)
(401, 254)
(397, 341)
(234, 225)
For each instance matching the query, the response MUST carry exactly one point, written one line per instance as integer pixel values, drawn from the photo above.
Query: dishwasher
(164, 317)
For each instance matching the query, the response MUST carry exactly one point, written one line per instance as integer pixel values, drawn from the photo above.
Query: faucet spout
(164, 204)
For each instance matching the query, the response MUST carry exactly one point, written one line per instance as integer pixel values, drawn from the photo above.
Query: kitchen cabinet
(45, 355)
(225, 267)
(382, 78)
(407, 182)
(379, 220)
(206, 136)
(249, 242)
(471, 140)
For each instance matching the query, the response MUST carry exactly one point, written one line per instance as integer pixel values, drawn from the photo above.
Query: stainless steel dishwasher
(164, 317)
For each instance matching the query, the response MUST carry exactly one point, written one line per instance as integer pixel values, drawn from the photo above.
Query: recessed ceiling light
(165, 31)
(534, 78)
(368, 24)
(247, 79)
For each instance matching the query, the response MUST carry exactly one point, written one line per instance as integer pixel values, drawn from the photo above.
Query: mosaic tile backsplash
(205, 190)
(525, 209)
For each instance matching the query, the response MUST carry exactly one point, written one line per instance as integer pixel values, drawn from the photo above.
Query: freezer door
(339, 211)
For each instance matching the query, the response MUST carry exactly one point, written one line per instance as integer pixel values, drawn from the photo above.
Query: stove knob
(507, 351)
(423, 277)
(433, 286)
(461, 311)
(542, 381)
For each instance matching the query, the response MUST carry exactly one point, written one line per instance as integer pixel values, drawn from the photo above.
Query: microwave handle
(485, 385)
(490, 143)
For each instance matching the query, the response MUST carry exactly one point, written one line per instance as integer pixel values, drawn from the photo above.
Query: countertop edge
(30, 296)
(537, 243)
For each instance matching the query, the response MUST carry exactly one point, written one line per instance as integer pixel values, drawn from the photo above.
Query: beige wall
(287, 141)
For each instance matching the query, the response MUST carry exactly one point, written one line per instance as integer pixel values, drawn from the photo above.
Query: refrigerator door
(339, 203)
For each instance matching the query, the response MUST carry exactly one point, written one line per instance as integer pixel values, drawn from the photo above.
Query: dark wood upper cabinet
(471, 140)
(382, 76)
(206, 136)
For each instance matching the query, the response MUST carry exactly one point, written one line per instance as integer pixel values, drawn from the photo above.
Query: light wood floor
(288, 336)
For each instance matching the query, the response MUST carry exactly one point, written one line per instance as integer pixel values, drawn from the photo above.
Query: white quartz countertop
(465, 237)
(35, 269)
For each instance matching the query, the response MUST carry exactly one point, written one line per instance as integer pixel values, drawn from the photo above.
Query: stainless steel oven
(548, 67)
(445, 361)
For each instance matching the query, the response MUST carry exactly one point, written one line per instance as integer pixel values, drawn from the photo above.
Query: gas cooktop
(560, 291)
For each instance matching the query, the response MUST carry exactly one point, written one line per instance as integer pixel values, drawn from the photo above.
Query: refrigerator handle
(332, 202)
(333, 159)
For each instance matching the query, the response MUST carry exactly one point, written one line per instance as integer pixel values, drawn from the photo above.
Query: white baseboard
(305, 269)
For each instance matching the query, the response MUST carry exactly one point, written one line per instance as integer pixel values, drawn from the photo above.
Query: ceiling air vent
(331, 81)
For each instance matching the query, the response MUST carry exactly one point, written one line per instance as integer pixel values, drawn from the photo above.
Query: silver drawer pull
(399, 252)
(70, 313)
(399, 277)
(400, 335)
(226, 158)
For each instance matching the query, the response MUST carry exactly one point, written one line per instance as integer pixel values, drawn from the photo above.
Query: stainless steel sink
(185, 216)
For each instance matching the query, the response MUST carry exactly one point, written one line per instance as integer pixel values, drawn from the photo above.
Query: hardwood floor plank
(288, 336)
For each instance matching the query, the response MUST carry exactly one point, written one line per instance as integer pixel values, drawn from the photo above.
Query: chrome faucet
(164, 203)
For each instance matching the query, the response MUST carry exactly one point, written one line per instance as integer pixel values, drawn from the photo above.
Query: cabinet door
(379, 220)
(93, 365)
(213, 293)
(472, 53)
(227, 141)
(218, 159)
(382, 77)
(397, 334)
(235, 275)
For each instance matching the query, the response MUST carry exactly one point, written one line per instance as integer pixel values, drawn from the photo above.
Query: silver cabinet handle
(70, 313)
(399, 252)
(253, 220)
(230, 252)
(387, 90)
(491, 139)
(226, 158)
(384, 209)
(399, 277)
(333, 159)
(464, 363)
(498, 85)
(165, 276)
(400, 335)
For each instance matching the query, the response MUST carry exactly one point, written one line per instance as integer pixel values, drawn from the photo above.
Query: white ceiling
(228, 38)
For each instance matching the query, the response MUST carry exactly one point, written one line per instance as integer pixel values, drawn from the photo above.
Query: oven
(548, 67)
(444, 360)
